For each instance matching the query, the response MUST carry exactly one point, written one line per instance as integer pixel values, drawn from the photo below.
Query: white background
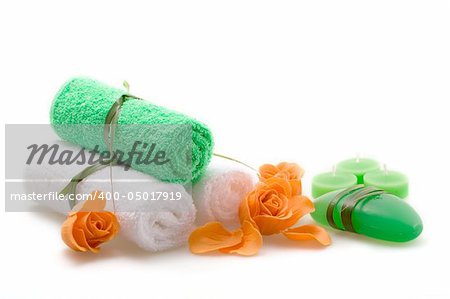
(313, 82)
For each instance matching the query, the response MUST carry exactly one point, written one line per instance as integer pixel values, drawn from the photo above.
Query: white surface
(308, 81)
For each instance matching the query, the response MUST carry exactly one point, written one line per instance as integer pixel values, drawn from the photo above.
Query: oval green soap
(383, 216)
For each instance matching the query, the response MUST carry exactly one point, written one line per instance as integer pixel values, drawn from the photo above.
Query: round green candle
(331, 181)
(358, 166)
(390, 181)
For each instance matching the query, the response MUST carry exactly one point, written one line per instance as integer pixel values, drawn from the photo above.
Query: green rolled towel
(78, 115)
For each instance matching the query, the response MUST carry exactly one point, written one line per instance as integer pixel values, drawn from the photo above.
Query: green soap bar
(78, 115)
(382, 216)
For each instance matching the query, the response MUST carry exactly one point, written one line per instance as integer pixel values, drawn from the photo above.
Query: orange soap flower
(289, 171)
(88, 225)
(274, 206)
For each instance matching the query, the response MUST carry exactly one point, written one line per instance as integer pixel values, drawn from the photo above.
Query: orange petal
(298, 207)
(269, 225)
(105, 229)
(295, 171)
(80, 236)
(83, 221)
(67, 234)
(296, 187)
(301, 205)
(280, 185)
(267, 170)
(251, 241)
(245, 211)
(213, 236)
(308, 232)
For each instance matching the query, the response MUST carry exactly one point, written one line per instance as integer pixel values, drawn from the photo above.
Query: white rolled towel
(153, 225)
(220, 191)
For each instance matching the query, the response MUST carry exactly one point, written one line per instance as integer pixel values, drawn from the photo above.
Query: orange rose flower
(274, 206)
(289, 171)
(88, 226)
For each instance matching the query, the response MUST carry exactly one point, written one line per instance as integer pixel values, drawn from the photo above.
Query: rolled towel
(219, 192)
(78, 115)
(153, 225)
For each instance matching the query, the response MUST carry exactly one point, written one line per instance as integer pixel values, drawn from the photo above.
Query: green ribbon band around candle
(334, 202)
(351, 196)
(351, 202)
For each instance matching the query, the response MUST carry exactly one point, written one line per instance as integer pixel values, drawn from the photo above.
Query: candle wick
(357, 158)
(385, 169)
(334, 170)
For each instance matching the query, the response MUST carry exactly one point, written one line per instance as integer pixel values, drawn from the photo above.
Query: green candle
(392, 182)
(358, 166)
(331, 181)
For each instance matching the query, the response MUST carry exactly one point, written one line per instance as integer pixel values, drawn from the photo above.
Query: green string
(235, 160)
(108, 135)
(71, 188)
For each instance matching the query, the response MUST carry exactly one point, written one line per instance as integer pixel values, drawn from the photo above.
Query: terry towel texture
(152, 225)
(220, 191)
(86, 102)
